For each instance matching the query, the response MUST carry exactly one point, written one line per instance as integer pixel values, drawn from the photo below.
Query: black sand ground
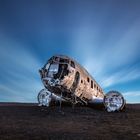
(28, 121)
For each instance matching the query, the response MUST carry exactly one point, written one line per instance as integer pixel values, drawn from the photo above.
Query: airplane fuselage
(66, 80)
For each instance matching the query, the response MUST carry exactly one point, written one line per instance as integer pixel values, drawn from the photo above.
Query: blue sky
(103, 36)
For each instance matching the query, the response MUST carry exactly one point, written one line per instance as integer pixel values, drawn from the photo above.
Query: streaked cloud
(19, 72)
(132, 93)
(132, 96)
(111, 63)
(120, 77)
(14, 53)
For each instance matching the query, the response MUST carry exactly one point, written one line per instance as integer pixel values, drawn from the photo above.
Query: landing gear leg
(74, 102)
(60, 105)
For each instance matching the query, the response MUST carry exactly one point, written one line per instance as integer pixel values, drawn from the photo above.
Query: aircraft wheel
(44, 97)
(114, 101)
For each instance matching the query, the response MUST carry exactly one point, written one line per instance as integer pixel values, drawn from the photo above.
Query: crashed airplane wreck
(67, 81)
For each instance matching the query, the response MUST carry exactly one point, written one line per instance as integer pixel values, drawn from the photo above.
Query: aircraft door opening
(76, 81)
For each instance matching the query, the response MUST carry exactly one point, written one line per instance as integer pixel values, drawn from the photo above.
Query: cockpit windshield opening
(53, 69)
(63, 70)
(57, 71)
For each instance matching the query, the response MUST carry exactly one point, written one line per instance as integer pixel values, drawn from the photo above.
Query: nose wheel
(114, 101)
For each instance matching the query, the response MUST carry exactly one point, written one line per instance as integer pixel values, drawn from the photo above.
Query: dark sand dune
(28, 121)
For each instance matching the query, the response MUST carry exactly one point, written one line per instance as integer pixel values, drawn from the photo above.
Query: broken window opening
(88, 79)
(91, 84)
(62, 71)
(72, 64)
(47, 66)
(64, 60)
